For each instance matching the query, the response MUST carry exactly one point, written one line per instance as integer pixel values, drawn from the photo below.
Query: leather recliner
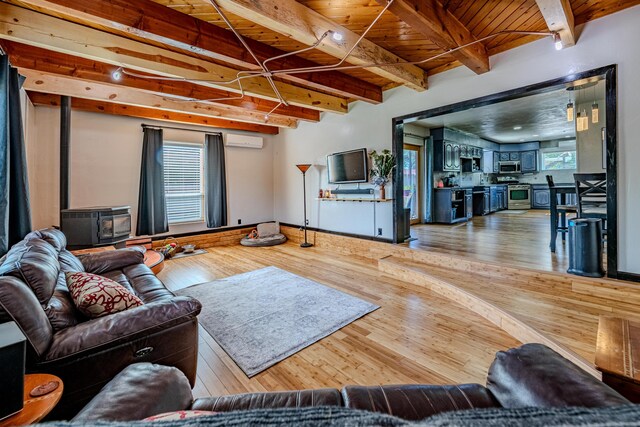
(87, 353)
(530, 375)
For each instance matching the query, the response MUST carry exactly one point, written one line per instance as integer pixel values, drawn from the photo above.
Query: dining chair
(562, 211)
(591, 193)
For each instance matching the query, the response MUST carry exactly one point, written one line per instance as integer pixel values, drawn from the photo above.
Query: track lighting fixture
(557, 41)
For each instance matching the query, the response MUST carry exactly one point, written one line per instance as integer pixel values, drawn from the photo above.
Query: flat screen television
(348, 166)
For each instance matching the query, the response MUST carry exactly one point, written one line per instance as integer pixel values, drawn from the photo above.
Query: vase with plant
(383, 165)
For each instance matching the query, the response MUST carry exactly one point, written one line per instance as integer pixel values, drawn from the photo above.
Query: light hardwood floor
(520, 239)
(417, 336)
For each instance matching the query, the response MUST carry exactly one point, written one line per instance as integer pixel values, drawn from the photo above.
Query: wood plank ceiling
(72, 47)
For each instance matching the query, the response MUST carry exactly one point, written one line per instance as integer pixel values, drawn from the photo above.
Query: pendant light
(582, 121)
(595, 111)
(570, 111)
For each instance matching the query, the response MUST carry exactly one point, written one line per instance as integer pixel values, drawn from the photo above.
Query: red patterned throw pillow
(97, 296)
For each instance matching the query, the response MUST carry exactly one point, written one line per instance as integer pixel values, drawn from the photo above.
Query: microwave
(509, 167)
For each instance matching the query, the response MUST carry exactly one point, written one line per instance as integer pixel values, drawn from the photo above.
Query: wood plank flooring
(520, 239)
(417, 336)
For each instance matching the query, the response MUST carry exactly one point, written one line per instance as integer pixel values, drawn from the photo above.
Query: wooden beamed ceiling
(72, 47)
(92, 106)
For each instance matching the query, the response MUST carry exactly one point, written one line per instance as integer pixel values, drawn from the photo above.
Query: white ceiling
(541, 117)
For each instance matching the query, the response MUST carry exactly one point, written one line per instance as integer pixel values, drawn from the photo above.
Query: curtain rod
(144, 125)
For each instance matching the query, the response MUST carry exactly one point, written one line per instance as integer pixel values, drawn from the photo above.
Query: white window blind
(183, 182)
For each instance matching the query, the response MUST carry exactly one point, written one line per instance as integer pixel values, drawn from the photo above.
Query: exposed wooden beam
(559, 17)
(36, 29)
(152, 22)
(38, 59)
(61, 85)
(438, 24)
(301, 23)
(38, 98)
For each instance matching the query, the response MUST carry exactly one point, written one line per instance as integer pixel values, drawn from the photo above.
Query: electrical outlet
(380, 231)
(239, 221)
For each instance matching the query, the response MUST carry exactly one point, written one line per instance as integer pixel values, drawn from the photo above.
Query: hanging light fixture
(582, 121)
(595, 112)
(570, 111)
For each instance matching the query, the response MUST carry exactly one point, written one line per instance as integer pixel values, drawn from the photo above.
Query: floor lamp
(304, 168)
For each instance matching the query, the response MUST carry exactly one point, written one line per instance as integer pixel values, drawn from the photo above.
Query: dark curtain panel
(215, 181)
(152, 206)
(15, 215)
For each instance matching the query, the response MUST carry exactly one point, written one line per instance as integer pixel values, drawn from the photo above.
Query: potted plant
(383, 165)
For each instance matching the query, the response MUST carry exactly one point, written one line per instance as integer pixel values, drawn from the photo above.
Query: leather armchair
(88, 353)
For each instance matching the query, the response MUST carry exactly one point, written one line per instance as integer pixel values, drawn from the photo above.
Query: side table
(35, 408)
(154, 260)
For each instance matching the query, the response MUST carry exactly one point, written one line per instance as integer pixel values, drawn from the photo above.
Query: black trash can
(585, 247)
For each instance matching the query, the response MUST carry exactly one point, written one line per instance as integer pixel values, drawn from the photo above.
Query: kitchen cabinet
(503, 192)
(481, 201)
(503, 156)
(456, 157)
(453, 205)
(529, 161)
(541, 198)
(493, 199)
(446, 156)
(514, 156)
(496, 162)
(487, 161)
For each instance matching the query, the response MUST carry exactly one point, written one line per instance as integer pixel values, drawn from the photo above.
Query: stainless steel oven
(509, 167)
(519, 197)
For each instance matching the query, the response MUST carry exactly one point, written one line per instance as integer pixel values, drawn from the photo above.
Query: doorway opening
(501, 149)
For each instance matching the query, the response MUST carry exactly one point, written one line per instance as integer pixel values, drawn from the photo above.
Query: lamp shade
(304, 167)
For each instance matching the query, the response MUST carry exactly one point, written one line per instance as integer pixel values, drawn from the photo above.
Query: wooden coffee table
(35, 408)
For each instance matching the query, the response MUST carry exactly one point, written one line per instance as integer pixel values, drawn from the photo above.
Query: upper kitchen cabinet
(446, 156)
(529, 161)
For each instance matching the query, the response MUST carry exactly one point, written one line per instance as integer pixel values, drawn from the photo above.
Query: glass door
(411, 174)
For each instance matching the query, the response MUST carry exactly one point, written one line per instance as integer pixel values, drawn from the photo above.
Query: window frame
(558, 150)
(200, 146)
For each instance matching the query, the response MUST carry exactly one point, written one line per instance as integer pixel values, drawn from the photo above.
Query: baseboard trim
(340, 233)
(629, 277)
(200, 232)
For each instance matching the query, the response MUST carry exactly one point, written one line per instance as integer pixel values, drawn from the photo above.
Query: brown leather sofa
(85, 353)
(530, 375)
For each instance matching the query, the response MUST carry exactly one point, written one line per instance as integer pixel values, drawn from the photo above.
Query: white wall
(589, 142)
(609, 40)
(106, 152)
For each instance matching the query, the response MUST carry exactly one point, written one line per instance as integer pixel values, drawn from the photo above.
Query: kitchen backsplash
(473, 179)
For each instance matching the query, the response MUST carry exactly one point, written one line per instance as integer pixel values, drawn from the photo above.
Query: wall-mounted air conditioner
(244, 141)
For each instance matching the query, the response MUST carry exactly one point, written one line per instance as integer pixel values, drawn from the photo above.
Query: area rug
(264, 316)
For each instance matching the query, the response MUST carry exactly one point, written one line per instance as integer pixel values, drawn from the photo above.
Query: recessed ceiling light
(521, 139)
(117, 74)
(535, 134)
(337, 36)
(517, 127)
